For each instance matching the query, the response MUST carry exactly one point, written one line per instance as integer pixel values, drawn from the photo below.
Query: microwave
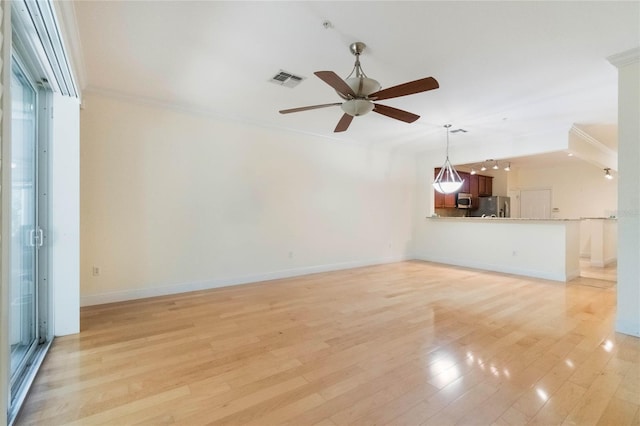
(463, 200)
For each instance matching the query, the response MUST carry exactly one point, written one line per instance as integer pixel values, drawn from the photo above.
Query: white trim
(592, 141)
(68, 25)
(190, 109)
(546, 275)
(625, 58)
(5, 206)
(64, 211)
(604, 263)
(627, 327)
(142, 293)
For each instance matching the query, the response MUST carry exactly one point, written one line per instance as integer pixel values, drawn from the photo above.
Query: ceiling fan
(359, 93)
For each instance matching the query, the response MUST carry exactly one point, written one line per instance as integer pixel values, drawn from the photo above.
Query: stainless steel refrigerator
(493, 206)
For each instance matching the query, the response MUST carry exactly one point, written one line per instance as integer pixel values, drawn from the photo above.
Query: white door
(535, 203)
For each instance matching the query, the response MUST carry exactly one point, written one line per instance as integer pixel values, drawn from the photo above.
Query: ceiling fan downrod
(361, 85)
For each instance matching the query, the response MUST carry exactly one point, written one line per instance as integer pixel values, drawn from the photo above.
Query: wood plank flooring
(607, 273)
(411, 343)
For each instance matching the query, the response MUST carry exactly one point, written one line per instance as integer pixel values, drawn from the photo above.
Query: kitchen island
(541, 248)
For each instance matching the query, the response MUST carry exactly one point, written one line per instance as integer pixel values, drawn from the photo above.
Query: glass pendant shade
(357, 107)
(448, 180)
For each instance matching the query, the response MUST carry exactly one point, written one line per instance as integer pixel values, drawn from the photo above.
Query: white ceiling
(507, 70)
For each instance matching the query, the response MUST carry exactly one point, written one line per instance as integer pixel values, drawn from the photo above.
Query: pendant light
(448, 180)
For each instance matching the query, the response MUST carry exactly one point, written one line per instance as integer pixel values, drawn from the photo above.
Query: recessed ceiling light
(570, 154)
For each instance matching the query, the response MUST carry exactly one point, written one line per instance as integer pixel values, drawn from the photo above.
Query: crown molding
(592, 141)
(67, 22)
(625, 58)
(204, 112)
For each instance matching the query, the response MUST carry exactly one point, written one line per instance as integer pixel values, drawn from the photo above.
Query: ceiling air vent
(284, 78)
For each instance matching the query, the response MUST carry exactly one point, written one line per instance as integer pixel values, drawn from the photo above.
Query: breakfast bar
(540, 248)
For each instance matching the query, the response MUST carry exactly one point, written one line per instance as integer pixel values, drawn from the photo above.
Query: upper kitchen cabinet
(485, 186)
(466, 182)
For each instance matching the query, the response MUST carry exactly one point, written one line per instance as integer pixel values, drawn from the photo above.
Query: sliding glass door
(26, 234)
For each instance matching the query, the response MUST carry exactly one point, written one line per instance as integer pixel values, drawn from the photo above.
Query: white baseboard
(142, 293)
(547, 275)
(628, 327)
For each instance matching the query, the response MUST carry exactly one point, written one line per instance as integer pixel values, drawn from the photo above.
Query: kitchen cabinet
(473, 187)
(474, 190)
(485, 186)
(466, 182)
(443, 201)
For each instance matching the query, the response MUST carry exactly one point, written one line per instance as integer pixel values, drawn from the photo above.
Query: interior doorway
(535, 203)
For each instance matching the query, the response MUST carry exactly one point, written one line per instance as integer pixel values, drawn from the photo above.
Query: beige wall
(578, 190)
(173, 201)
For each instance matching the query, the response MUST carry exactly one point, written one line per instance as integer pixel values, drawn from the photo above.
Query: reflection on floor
(599, 277)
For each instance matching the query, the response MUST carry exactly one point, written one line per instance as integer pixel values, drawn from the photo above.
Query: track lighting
(496, 166)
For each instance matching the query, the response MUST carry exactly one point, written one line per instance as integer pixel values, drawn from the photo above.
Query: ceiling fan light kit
(357, 107)
(360, 93)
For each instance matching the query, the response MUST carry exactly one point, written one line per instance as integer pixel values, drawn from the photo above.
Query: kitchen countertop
(499, 219)
(598, 218)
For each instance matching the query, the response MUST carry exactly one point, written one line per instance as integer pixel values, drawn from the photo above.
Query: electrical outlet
(95, 271)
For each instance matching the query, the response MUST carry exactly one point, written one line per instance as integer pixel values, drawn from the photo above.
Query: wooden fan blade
(287, 111)
(405, 89)
(344, 123)
(334, 80)
(396, 113)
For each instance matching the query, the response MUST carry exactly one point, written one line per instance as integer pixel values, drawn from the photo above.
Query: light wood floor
(410, 343)
(606, 273)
